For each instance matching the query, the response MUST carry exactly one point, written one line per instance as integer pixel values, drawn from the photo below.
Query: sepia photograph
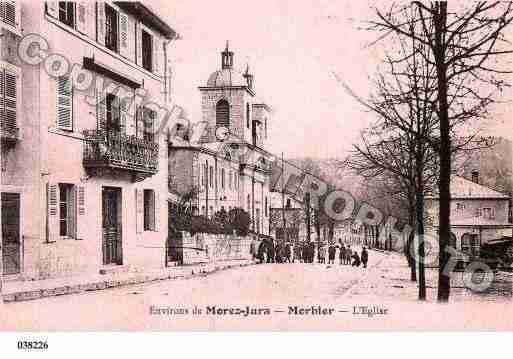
(332, 166)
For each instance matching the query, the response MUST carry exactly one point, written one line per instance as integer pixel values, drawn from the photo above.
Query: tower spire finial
(248, 76)
(227, 57)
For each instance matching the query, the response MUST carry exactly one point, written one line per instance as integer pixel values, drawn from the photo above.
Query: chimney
(475, 176)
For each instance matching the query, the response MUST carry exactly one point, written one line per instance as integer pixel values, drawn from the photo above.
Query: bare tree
(464, 45)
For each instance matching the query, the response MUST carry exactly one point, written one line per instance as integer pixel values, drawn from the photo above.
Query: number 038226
(32, 345)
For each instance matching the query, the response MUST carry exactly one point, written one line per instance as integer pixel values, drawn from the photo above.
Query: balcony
(115, 154)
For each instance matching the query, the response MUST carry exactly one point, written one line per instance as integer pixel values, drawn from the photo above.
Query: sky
(293, 48)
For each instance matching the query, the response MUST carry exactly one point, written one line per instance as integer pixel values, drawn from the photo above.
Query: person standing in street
(349, 254)
(342, 253)
(331, 254)
(365, 257)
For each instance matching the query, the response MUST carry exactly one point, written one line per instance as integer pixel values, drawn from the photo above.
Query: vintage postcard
(256, 166)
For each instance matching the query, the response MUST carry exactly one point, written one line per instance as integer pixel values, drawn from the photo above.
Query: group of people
(270, 252)
(346, 255)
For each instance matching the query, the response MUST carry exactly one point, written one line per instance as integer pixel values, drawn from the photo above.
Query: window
(8, 12)
(489, 213)
(8, 100)
(149, 210)
(230, 180)
(211, 175)
(64, 103)
(67, 13)
(66, 210)
(249, 204)
(222, 178)
(460, 207)
(205, 175)
(288, 203)
(147, 50)
(113, 124)
(247, 116)
(111, 28)
(478, 212)
(266, 210)
(223, 114)
(149, 125)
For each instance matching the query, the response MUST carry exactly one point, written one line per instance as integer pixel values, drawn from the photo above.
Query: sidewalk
(390, 280)
(17, 291)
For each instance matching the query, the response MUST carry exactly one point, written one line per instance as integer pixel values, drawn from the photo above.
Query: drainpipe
(1, 245)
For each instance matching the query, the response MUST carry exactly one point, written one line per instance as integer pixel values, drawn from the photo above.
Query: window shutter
(64, 103)
(156, 215)
(139, 122)
(122, 103)
(52, 195)
(123, 35)
(139, 210)
(82, 18)
(72, 213)
(157, 51)
(131, 38)
(138, 32)
(8, 13)
(100, 24)
(9, 97)
(81, 226)
(101, 109)
(52, 8)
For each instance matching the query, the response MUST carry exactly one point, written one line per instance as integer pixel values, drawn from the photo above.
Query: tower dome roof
(226, 77)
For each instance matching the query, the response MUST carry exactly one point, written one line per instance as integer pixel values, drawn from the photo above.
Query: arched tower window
(223, 114)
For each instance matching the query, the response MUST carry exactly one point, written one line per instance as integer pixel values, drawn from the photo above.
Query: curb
(114, 283)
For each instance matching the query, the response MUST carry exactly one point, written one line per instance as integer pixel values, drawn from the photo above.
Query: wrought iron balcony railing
(105, 150)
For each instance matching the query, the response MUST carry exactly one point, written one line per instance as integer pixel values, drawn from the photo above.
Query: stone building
(83, 167)
(229, 166)
(478, 215)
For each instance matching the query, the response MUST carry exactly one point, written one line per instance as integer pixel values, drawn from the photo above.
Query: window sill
(67, 133)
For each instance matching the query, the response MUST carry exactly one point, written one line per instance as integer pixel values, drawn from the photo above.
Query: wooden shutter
(100, 23)
(9, 13)
(157, 52)
(138, 31)
(9, 99)
(82, 17)
(139, 122)
(64, 103)
(131, 38)
(139, 210)
(101, 109)
(52, 196)
(123, 35)
(122, 103)
(156, 207)
(80, 214)
(52, 8)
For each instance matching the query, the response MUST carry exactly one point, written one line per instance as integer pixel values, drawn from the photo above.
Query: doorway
(111, 226)
(11, 243)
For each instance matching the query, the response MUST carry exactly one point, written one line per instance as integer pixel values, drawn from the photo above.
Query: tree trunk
(419, 217)
(440, 20)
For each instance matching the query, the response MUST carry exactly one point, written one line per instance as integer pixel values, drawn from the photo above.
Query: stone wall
(210, 248)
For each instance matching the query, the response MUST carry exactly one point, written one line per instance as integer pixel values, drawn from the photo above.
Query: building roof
(226, 78)
(462, 188)
(148, 17)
